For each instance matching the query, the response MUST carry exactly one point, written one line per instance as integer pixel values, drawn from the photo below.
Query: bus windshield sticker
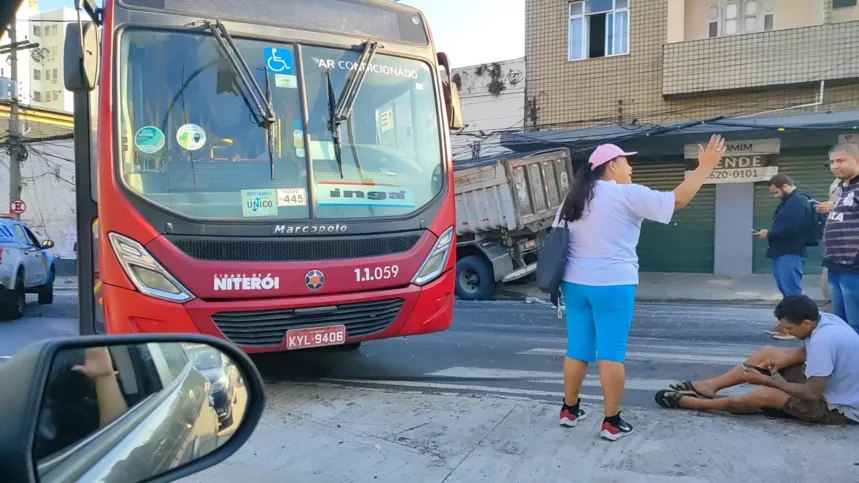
(360, 194)
(191, 137)
(279, 61)
(149, 140)
(374, 68)
(259, 203)
(291, 197)
(285, 81)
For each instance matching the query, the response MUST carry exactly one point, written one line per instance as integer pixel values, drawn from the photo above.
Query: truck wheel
(16, 300)
(475, 279)
(46, 292)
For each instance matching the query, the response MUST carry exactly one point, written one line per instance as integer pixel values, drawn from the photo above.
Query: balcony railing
(766, 59)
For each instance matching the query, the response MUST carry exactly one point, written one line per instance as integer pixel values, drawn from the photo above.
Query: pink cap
(605, 153)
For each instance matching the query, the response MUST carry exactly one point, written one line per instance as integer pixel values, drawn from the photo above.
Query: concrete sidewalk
(693, 287)
(319, 433)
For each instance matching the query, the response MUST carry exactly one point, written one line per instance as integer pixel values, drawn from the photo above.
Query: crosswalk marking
(646, 356)
(460, 387)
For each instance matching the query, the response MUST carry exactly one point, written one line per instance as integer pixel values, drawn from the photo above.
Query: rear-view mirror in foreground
(125, 408)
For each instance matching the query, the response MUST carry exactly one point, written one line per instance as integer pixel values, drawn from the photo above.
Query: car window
(175, 357)
(6, 232)
(33, 240)
(21, 236)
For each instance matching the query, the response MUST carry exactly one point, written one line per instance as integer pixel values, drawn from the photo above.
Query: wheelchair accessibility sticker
(278, 60)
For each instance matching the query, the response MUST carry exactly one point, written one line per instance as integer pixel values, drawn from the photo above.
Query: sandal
(686, 388)
(669, 399)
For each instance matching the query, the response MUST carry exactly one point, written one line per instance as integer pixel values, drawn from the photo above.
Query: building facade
(46, 73)
(779, 78)
(40, 68)
(492, 97)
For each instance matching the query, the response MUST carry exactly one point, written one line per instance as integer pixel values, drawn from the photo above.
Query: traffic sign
(17, 207)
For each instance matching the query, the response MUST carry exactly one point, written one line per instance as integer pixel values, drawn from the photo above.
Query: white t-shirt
(832, 351)
(603, 240)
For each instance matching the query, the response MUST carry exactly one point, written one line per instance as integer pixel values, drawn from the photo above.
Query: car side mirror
(47, 244)
(153, 407)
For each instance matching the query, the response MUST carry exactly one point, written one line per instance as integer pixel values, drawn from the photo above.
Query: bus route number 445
(377, 273)
(315, 337)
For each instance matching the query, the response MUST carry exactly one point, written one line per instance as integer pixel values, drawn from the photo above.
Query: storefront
(714, 233)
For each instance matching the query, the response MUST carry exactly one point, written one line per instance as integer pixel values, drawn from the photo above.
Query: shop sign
(744, 161)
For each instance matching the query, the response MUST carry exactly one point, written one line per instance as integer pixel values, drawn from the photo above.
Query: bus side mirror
(451, 94)
(80, 60)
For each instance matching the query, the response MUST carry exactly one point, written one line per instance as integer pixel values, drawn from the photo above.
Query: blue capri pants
(598, 320)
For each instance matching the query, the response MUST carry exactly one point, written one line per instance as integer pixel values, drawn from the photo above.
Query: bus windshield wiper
(243, 73)
(340, 111)
(354, 83)
(333, 125)
(261, 100)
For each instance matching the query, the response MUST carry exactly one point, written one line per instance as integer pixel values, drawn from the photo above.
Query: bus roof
(377, 19)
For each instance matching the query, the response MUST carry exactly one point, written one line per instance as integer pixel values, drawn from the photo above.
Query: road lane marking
(461, 387)
(647, 356)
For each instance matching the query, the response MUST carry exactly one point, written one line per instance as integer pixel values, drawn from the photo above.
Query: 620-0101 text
(378, 273)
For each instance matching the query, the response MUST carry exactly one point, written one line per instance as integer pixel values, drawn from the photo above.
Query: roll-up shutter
(812, 176)
(686, 244)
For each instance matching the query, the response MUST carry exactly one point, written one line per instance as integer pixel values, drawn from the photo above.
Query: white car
(25, 267)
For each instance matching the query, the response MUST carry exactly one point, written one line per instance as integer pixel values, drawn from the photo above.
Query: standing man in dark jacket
(786, 238)
(841, 236)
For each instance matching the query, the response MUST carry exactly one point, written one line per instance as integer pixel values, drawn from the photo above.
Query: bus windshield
(191, 140)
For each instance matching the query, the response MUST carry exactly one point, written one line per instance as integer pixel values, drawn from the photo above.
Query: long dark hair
(581, 192)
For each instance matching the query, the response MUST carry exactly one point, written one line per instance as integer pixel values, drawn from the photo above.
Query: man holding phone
(817, 383)
(786, 239)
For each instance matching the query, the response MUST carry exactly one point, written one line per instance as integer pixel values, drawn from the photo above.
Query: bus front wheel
(475, 278)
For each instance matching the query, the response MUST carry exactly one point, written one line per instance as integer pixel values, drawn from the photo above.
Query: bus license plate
(315, 337)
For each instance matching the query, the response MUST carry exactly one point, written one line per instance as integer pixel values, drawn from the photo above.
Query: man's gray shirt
(832, 351)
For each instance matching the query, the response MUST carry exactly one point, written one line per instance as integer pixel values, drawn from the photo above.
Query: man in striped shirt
(841, 236)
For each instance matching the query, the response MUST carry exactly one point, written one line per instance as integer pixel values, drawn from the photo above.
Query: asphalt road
(511, 349)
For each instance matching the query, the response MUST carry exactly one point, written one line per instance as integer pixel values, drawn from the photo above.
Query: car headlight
(436, 260)
(145, 272)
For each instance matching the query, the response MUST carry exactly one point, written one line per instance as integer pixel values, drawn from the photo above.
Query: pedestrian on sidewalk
(841, 235)
(817, 383)
(824, 209)
(786, 239)
(603, 212)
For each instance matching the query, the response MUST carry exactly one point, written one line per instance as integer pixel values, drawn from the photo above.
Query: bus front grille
(268, 327)
(294, 249)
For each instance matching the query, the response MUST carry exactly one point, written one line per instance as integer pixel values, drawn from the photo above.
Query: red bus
(275, 173)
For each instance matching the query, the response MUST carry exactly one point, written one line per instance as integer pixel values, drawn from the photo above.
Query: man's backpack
(813, 224)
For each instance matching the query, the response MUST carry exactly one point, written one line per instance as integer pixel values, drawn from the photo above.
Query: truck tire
(46, 292)
(475, 278)
(15, 299)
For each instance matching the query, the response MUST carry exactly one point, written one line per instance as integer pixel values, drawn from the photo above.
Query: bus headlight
(145, 272)
(436, 260)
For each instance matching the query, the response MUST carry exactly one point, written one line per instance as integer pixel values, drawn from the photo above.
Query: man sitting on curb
(818, 382)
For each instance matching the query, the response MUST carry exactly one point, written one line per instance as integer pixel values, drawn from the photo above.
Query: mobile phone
(759, 369)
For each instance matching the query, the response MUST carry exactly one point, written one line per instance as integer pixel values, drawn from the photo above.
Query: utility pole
(15, 145)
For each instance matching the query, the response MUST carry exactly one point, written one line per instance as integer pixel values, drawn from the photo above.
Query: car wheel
(46, 292)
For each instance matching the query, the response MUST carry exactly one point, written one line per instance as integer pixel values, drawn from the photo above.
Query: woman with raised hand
(603, 212)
